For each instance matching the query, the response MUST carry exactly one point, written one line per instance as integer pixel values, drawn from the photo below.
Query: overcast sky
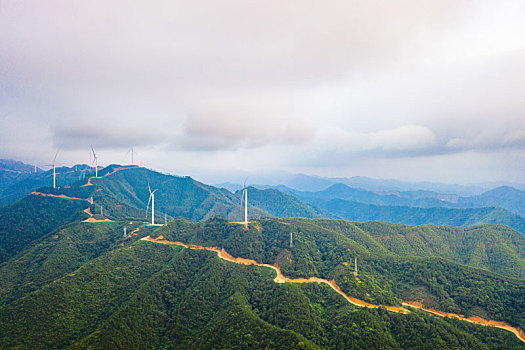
(413, 90)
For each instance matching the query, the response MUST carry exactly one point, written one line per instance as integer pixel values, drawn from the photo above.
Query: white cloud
(406, 137)
(326, 82)
(403, 138)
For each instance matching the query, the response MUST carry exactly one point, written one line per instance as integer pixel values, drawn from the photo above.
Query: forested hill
(279, 204)
(434, 255)
(176, 196)
(86, 286)
(33, 217)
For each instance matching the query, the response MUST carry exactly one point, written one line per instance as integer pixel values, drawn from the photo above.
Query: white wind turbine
(132, 152)
(95, 160)
(152, 199)
(54, 172)
(245, 197)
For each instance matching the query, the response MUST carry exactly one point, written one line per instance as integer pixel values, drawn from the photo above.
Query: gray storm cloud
(299, 85)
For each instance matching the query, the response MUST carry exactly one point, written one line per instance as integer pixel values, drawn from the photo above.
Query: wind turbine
(152, 199)
(132, 151)
(54, 172)
(245, 197)
(95, 160)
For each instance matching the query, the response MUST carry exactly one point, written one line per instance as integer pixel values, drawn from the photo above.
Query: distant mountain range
(302, 182)
(504, 197)
(188, 198)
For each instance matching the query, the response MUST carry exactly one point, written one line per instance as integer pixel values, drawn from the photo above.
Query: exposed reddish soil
(58, 196)
(473, 319)
(88, 183)
(92, 219)
(121, 168)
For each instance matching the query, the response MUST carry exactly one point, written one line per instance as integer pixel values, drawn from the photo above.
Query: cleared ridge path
(88, 183)
(223, 254)
(63, 196)
(59, 196)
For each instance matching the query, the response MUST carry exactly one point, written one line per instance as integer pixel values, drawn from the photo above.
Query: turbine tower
(152, 199)
(245, 197)
(95, 160)
(54, 171)
(132, 152)
(355, 269)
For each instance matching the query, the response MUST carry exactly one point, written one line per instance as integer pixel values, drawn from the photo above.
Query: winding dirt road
(63, 196)
(223, 254)
(473, 319)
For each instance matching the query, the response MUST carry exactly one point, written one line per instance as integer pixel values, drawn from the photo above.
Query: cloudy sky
(413, 90)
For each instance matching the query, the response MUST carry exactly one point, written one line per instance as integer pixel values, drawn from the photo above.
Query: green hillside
(33, 217)
(321, 247)
(61, 252)
(176, 196)
(281, 205)
(157, 296)
(492, 247)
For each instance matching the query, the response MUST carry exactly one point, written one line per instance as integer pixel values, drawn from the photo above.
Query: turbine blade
(92, 150)
(149, 189)
(147, 207)
(56, 155)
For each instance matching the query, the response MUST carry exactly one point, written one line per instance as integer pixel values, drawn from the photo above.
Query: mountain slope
(492, 247)
(158, 296)
(31, 218)
(59, 253)
(323, 247)
(281, 205)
